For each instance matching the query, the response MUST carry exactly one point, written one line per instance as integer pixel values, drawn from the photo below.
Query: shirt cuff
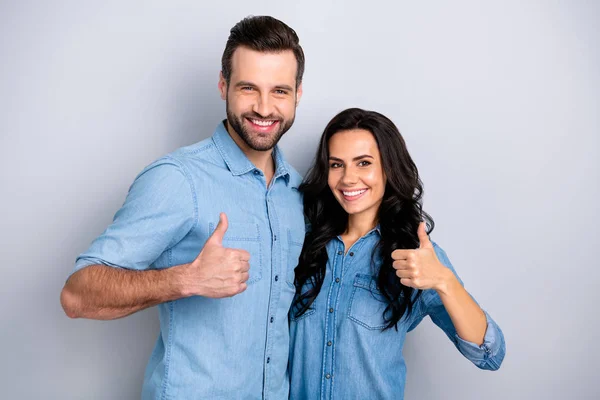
(491, 353)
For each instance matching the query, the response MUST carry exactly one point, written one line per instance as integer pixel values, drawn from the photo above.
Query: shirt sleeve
(159, 211)
(488, 355)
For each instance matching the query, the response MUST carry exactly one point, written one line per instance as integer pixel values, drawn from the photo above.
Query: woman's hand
(420, 268)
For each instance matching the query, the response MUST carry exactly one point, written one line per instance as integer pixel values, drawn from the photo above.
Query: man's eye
(247, 88)
(280, 91)
(364, 163)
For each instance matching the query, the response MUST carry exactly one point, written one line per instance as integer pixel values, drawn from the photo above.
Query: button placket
(338, 265)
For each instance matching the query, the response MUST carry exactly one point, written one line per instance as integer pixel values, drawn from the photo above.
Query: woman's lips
(351, 195)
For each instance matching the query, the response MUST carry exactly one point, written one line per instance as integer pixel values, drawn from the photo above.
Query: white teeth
(262, 123)
(354, 193)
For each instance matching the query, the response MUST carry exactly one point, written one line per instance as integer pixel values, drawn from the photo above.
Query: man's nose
(263, 105)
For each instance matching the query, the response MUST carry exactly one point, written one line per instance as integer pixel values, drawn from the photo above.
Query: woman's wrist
(447, 284)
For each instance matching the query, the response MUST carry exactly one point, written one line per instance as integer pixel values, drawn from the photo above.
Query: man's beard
(256, 142)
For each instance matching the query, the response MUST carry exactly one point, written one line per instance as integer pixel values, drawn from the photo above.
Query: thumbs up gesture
(420, 268)
(218, 271)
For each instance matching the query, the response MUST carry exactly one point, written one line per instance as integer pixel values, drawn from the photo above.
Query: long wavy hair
(399, 215)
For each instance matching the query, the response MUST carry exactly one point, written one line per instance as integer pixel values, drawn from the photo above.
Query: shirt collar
(377, 229)
(236, 160)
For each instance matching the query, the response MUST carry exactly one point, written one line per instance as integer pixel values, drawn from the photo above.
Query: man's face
(261, 96)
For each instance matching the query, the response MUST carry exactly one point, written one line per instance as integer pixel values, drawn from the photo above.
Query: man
(211, 234)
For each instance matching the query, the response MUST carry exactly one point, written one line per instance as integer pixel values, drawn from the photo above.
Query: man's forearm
(102, 292)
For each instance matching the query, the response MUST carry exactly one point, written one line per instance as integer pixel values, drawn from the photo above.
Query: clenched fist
(217, 271)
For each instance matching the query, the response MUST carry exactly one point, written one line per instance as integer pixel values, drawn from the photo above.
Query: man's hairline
(228, 79)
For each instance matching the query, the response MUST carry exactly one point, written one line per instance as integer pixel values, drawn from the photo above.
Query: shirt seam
(186, 173)
(168, 350)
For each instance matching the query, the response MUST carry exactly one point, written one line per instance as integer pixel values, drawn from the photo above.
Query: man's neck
(263, 160)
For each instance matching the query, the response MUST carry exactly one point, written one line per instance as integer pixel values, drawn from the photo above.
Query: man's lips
(354, 194)
(263, 125)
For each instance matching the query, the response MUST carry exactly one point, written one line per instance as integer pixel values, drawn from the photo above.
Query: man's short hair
(264, 34)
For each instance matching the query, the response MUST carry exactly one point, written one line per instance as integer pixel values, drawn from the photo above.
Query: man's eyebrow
(280, 86)
(285, 87)
(244, 83)
(354, 159)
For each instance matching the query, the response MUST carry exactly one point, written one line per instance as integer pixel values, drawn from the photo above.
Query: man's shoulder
(203, 149)
(179, 161)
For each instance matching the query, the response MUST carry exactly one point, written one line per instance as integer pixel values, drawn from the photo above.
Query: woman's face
(356, 176)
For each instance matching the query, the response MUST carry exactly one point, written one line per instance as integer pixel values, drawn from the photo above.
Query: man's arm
(103, 292)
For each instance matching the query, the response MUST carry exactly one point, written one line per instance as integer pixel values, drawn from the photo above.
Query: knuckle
(229, 252)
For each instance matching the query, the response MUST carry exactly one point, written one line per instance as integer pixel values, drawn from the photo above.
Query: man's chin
(259, 145)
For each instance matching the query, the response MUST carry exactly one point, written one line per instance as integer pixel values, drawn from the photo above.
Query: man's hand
(420, 268)
(217, 271)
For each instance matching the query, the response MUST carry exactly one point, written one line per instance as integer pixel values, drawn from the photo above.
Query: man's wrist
(179, 283)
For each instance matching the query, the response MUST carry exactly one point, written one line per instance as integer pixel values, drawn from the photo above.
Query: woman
(368, 273)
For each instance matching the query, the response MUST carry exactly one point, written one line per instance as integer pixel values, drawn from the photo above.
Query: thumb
(423, 237)
(217, 237)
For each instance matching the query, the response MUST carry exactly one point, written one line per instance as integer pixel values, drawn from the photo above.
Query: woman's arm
(450, 306)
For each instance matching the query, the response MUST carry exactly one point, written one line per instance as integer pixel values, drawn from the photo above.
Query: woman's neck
(358, 226)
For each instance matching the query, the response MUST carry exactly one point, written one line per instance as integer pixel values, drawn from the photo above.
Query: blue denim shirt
(338, 349)
(230, 348)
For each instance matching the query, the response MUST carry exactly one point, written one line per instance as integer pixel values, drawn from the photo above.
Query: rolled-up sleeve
(160, 209)
(491, 352)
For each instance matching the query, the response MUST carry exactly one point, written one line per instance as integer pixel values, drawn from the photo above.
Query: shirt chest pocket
(244, 236)
(292, 254)
(367, 304)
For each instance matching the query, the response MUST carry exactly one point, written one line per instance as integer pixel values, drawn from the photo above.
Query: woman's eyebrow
(354, 159)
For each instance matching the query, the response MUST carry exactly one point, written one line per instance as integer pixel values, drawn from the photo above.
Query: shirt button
(329, 343)
(340, 253)
(327, 376)
(272, 319)
(276, 278)
(331, 310)
(268, 360)
(351, 254)
(275, 238)
(337, 280)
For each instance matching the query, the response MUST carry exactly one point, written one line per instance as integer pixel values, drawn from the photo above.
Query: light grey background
(499, 104)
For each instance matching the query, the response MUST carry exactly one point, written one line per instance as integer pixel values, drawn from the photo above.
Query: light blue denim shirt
(230, 348)
(338, 349)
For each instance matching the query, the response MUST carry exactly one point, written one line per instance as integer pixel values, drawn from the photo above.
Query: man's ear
(298, 94)
(222, 86)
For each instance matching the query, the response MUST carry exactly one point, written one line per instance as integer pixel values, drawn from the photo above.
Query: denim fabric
(337, 348)
(231, 348)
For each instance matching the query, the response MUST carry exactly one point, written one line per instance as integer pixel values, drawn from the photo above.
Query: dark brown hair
(264, 34)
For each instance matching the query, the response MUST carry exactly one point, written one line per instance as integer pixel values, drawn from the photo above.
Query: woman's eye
(364, 163)
(335, 165)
